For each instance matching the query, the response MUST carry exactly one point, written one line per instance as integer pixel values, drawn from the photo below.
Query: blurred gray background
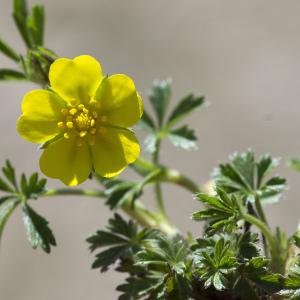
(244, 56)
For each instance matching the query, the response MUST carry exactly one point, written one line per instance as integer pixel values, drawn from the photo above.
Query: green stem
(157, 188)
(262, 217)
(260, 210)
(143, 167)
(139, 213)
(261, 226)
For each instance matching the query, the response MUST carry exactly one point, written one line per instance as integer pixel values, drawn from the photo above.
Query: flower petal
(66, 161)
(41, 112)
(76, 78)
(119, 100)
(113, 151)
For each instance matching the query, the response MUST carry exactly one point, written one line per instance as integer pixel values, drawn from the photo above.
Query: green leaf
(9, 172)
(248, 177)
(183, 137)
(20, 15)
(184, 107)
(135, 287)
(243, 289)
(122, 239)
(6, 209)
(222, 212)
(294, 163)
(38, 232)
(120, 191)
(8, 51)
(35, 24)
(9, 75)
(159, 97)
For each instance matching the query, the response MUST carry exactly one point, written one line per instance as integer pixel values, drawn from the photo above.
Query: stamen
(66, 135)
(73, 111)
(93, 122)
(86, 111)
(61, 125)
(82, 133)
(80, 106)
(70, 125)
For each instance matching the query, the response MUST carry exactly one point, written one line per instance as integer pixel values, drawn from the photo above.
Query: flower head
(83, 119)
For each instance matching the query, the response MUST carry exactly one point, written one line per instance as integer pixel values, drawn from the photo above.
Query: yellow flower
(84, 117)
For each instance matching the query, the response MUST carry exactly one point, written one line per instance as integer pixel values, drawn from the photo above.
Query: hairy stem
(262, 217)
(157, 188)
(143, 167)
(262, 227)
(139, 213)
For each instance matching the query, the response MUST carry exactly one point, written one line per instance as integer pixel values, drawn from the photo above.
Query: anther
(61, 125)
(73, 111)
(93, 122)
(80, 106)
(82, 133)
(86, 111)
(70, 125)
(66, 135)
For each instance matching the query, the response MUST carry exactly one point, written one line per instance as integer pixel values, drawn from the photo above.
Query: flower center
(81, 122)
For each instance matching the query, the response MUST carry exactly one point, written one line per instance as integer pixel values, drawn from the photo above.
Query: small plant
(82, 121)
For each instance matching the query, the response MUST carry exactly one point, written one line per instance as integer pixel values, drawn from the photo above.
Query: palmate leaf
(11, 75)
(8, 51)
(183, 137)
(248, 177)
(119, 191)
(122, 239)
(159, 97)
(168, 259)
(38, 232)
(184, 107)
(222, 211)
(214, 264)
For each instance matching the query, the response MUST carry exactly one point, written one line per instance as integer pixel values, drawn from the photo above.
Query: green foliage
(215, 264)
(38, 232)
(18, 192)
(35, 63)
(119, 191)
(8, 51)
(122, 239)
(221, 213)
(11, 75)
(248, 177)
(183, 137)
(163, 127)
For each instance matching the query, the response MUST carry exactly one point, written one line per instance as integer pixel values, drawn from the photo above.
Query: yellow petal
(113, 151)
(75, 79)
(66, 161)
(41, 113)
(119, 100)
